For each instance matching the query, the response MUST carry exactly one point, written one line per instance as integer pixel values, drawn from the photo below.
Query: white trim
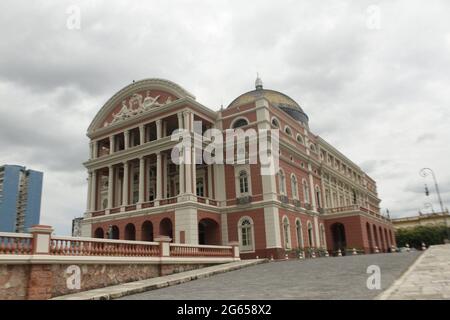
(288, 244)
(302, 241)
(252, 228)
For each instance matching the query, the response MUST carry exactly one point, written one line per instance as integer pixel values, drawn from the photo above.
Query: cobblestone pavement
(322, 278)
(428, 278)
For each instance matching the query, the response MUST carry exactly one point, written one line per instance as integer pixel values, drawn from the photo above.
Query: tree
(430, 235)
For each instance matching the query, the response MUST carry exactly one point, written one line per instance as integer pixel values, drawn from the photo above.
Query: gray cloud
(380, 96)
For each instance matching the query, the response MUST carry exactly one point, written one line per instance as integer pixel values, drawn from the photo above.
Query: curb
(129, 288)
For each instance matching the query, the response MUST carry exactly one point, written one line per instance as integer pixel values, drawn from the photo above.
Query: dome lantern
(258, 83)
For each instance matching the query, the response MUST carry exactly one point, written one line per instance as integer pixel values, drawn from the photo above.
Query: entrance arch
(99, 233)
(147, 231)
(338, 234)
(208, 232)
(165, 228)
(369, 237)
(113, 232)
(130, 232)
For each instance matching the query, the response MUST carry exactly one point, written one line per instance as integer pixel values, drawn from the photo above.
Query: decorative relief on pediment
(135, 106)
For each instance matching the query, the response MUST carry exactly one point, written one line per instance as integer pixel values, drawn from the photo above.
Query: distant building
(20, 198)
(423, 219)
(76, 227)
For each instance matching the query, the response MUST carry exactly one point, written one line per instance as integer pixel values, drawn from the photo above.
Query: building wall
(8, 206)
(33, 203)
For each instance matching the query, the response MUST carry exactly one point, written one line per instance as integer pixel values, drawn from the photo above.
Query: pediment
(136, 99)
(137, 103)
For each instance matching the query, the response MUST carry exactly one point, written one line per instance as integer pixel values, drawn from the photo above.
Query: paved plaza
(322, 278)
(428, 278)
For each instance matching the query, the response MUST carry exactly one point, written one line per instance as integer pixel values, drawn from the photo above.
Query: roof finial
(258, 82)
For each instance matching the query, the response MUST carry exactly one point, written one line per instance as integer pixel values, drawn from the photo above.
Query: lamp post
(424, 172)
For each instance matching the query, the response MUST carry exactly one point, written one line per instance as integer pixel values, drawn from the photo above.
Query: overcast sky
(374, 78)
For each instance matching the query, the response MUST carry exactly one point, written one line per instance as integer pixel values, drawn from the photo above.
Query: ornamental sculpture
(136, 105)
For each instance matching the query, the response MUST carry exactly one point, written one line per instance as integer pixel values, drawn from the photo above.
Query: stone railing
(69, 246)
(185, 250)
(15, 243)
(40, 241)
(355, 207)
(40, 265)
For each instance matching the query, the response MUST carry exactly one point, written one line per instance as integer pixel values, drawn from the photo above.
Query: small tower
(258, 83)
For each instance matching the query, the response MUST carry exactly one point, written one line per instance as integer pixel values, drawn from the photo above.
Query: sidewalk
(121, 290)
(428, 278)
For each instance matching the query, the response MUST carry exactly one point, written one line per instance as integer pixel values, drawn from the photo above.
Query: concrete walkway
(117, 291)
(333, 278)
(428, 278)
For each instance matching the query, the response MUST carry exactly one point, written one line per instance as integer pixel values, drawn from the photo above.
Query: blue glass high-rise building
(20, 198)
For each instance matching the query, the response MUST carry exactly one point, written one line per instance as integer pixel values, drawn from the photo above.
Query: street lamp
(425, 172)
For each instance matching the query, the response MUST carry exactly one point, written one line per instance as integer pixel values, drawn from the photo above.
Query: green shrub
(430, 235)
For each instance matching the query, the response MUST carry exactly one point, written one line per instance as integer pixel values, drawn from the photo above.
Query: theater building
(318, 200)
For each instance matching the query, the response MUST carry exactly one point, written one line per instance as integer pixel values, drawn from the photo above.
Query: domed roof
(277, 99)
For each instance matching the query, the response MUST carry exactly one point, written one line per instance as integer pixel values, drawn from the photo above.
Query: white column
(166, 183)
(125, 193)
(158, 176)
(93, 190)
(141, 179)
(181, 175)
(210, 187)
(188, 170)
(158, 129)
(95, 149)
(126, 139)
(194, 172)
(180, 120)
(187, 117)
(312, 189)
(91, 150)
(111, 145)
(89, 192)
(141, 134)
(110, 186)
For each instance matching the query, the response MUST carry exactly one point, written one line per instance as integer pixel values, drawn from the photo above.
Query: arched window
(299, 233)
(310, 235)
(282, 182)
(300, 139)
(294, 186)
(286, 233)
(305, 191)
(318, 196)
(312, 147)
(288, 131)
(241, 122)
(243, 182)
(245, 227)
(275, 123)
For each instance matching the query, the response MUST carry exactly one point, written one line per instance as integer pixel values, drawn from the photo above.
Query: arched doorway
(147, 231)
(375, 235)
(165, 228)
(99, 233)
(338, 234)
(208, 232)
(113, 232)
(369, 237)
(130, 232)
